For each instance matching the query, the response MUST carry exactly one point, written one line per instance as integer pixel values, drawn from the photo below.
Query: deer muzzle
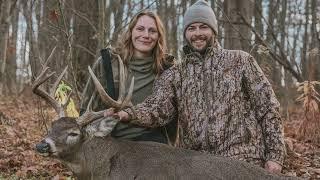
(43, 147)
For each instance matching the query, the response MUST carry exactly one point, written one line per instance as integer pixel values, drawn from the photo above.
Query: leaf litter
(23, 122)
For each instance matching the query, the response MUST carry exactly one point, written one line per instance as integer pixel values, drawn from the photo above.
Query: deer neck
(101, 148)
(74, 163)
(82, 162)
(73, 159)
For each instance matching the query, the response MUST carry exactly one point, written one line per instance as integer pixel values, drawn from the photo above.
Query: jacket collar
(191, 56)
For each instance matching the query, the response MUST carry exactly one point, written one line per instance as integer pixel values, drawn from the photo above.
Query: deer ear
(101, 127)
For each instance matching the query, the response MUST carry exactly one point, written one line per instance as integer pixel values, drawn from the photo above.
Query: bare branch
(85, 49)
(85, 18)
(281, 60)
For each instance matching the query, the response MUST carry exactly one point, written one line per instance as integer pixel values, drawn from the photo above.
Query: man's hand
(121, 115)
(273, 167)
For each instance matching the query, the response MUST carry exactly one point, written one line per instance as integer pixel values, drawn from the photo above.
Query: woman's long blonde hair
(125, 47)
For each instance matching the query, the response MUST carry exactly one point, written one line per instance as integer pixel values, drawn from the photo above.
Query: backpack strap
(106, 61)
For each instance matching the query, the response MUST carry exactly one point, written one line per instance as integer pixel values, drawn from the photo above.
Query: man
(224, 103)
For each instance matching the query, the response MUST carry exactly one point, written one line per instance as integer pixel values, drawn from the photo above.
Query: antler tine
(49, 57)
(89, 115)
(127, 101)
(103, 95)
(82, 118)
(89, 107)
(42, 77)
(40, 92)
(121, 80)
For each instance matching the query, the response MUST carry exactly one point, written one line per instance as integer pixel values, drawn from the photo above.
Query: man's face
(199, 36)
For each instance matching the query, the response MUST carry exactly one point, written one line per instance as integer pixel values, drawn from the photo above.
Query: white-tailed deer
(91, 155)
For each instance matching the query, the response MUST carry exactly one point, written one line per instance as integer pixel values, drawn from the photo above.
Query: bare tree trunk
(282, 22)
(284, 87)
(160, 9)
(219, 16)
(257, 19)
(85, 36)
(46, 36)
(24, 64)
(213, 5)
(291, 50)
(259, 28)
(231, 35)
(34, 54)
(237, 35)
(290, 86)
(102, 25)
(5, 18)
(129, 10)
(314, 42)
(109, 6)
(304, 60)
(173, 31)
(118, 16)
(12, 55)
(275, 74)
(166, 20)
(184, 7)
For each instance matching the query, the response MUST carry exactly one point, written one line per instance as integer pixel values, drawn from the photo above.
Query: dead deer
(97, 157)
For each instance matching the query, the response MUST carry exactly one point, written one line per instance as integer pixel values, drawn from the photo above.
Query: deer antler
(89, 115)
(122, 102)
(49, 97)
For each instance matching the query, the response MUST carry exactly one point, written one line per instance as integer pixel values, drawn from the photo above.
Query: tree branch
(280, 59)
(85, 18)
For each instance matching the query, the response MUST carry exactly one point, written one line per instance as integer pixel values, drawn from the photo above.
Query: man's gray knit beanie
(200, 12)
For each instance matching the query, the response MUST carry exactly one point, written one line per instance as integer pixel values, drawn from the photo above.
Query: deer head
(67, 134)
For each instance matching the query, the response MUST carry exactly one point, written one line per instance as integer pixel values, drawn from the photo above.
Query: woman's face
(144, 36)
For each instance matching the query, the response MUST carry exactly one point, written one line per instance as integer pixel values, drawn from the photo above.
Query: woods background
(284, 36)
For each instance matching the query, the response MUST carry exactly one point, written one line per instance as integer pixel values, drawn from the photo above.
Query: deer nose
(43, 147)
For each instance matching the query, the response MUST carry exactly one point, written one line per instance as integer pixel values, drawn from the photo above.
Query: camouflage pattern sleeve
(158, 108)
(266, 110)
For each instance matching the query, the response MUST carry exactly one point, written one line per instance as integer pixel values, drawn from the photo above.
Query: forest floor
(23, 122)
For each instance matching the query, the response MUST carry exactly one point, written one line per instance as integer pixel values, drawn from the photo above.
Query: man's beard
(202, 50)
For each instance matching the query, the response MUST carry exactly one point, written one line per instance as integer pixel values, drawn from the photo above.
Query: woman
(142, 50)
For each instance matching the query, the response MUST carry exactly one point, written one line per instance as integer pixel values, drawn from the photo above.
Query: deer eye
(73, 134)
